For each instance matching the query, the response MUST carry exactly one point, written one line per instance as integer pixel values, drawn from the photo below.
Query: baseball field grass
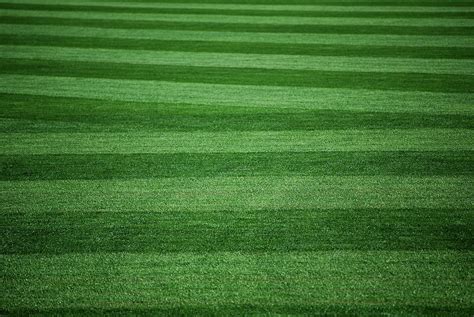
(237, 157)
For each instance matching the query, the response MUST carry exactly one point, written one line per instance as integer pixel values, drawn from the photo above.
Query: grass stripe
(243, 47)
(282, 3)
(246, 10)
(256, 8)
(143, 57)
(238, 19)
(126, 166)
(465, 42)
(211, 284)
(27, 113)
(249, 76)
(205, 310)
(240, 27)
(245, 158)
(350, 3)
(240, 60)
(239, 95)
(245, 231)
(241, 142)
(443, 3)
(232, 194)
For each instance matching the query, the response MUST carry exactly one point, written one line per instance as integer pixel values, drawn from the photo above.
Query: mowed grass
(251, 157)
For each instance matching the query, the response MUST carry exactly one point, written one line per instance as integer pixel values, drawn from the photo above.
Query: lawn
(241, 157)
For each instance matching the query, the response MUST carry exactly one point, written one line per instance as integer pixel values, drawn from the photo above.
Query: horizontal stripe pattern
(449, 83)
(170, 24)
(236, 36)
(353, 64)
(440, 22)
(253, 157)
(66, 114)
(242, 10)
(208, 142)
(301, 50)
(233, 6)
(239, 95)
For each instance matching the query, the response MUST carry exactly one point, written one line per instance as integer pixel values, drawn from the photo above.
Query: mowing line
(353, 64)
(238, 141)
(252, 37)
(292, 230)
(448, 83)
(165, 165)
(277, 193)
(252, 7)
(239, 95)
(275, 20)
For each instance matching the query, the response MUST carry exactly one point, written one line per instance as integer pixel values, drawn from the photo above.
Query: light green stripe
(255, 37)
(325, 63)
(241, 142)
(236, 193)
(239, 95)
(254, 7)
(203, 18)
(204, 283)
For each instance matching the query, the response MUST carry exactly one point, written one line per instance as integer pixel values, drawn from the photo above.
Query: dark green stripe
(60, 114)
(246, 12)
(254, 309)
(126, 166)
(432, 3)
(142, 231)
(241, 47)
(244, 76)
(243, 27)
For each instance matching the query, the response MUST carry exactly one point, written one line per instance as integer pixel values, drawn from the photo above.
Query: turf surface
(236, 158)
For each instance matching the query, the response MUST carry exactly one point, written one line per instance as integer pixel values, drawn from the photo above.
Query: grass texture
(250, 157)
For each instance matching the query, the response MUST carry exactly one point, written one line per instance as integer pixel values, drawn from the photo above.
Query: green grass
(255, 98)
(104, 166)
(377, 50)
(237, 75)
(232, 60)
(151, 23)
(461, 41)
(205, 284)
(248, 158)
(252, 10)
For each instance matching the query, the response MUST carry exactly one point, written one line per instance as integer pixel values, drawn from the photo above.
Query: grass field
(240, 157)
